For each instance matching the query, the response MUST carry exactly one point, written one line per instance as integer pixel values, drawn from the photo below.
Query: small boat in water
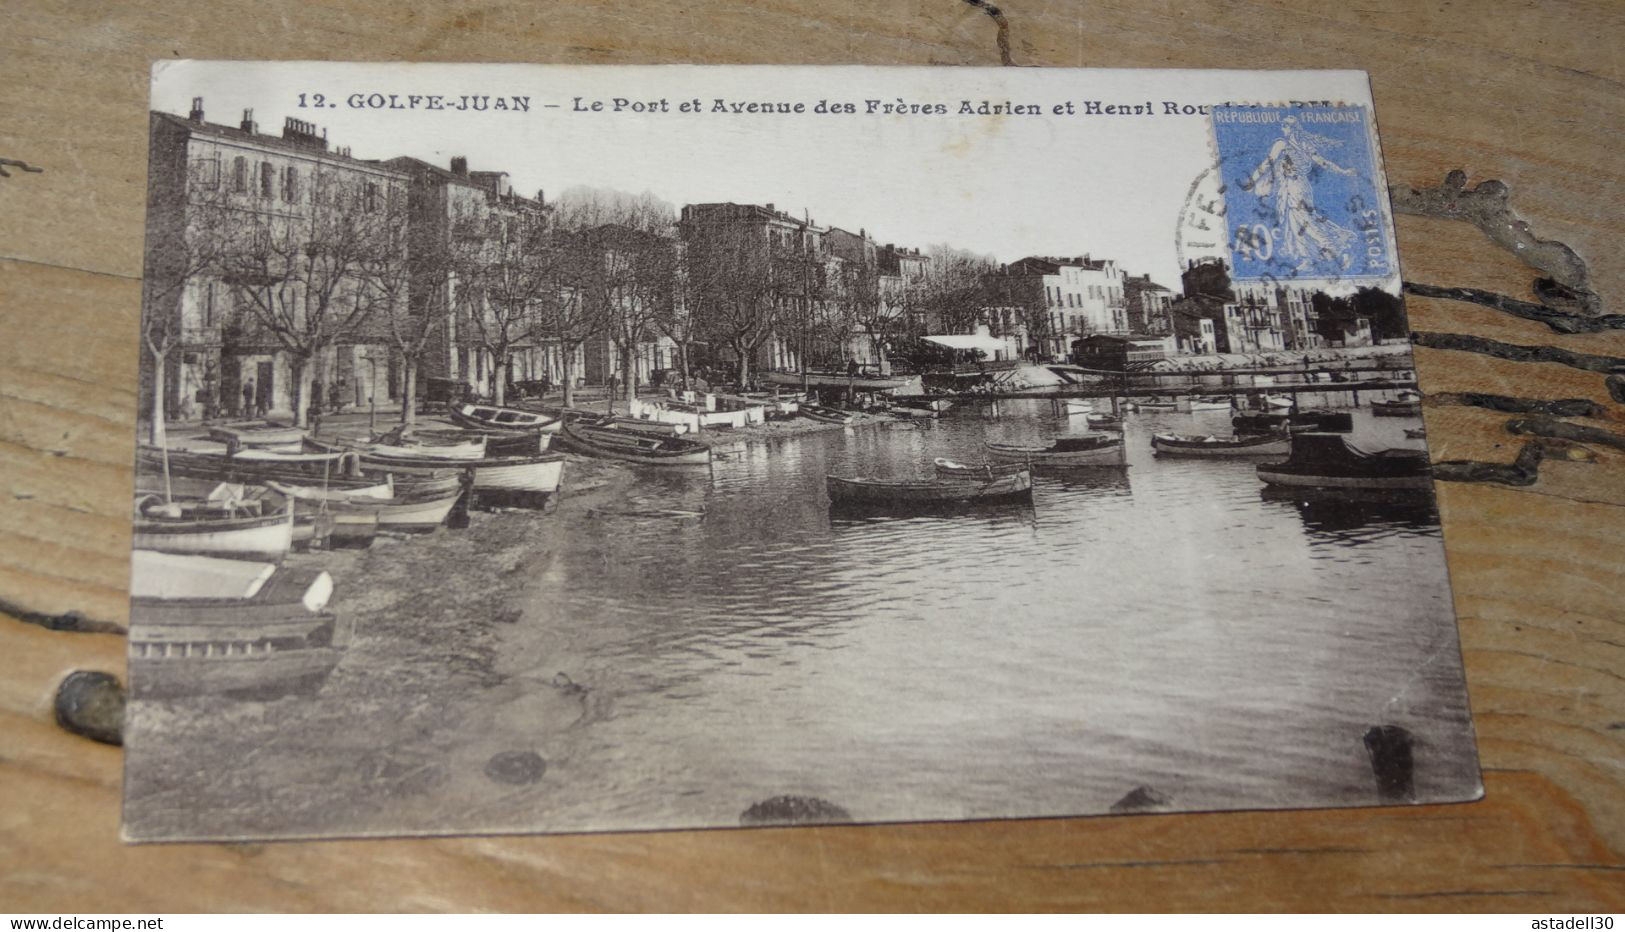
(905, 494)
(1319, 421)
(1092, 449)
(1404, 404)
(1206, 445)
(613, 442)
(949, 469)
(1329, 461)
(1154, 404)
(204, 625)
(234, 529)
(1105, 421)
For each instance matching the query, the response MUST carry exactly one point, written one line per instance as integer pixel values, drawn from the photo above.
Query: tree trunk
(409, 390)
(302, 374)
(567, 358)
(682, 362)
(629, 374)
(744, 366)
(158, 434)
(499, 377)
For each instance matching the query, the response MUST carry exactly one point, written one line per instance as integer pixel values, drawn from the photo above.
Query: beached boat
(497, 442)
(493, 418)
(354, 515)
(517, 481)
(825, 414)
(205, 625)
(414, 448)
(692, 417)
(240, 529)
(1404, 404)
(614, 442)
(1206, 445)
(1091, 449)
(950, 469)
(1329, 461)
(928, 493)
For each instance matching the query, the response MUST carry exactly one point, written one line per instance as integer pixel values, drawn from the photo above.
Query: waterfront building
(1061, 299)
(1147, 305)
(262, 264)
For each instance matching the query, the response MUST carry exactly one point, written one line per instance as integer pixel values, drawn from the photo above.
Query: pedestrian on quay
(262, 399)
(248, 399)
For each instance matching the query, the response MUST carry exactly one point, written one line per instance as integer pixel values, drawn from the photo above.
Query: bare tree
(731, 288)
(629, 281)
(951, 292)
(300, 277)
(411, 280)
(505, 275)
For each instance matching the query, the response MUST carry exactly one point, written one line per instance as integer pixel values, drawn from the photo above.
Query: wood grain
(1526, 92)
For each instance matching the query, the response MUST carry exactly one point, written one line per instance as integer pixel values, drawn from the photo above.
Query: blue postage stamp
(1302, 197)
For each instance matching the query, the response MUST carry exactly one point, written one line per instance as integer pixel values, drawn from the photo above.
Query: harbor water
(677, 646)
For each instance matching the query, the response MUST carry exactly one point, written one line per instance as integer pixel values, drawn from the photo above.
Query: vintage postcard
(562, 449)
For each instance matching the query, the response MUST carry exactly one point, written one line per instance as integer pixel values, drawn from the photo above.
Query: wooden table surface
(1526, 92)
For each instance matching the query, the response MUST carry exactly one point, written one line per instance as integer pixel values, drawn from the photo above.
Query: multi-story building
(259, 249)
(455, 219)
(1062, 299)
(1148, 304)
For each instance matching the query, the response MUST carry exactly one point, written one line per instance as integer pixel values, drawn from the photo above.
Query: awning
(962, 341)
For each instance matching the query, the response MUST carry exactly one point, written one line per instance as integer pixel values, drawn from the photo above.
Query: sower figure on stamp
(1284, 177)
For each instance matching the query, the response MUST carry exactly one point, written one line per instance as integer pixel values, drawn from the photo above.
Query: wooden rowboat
(413, 513)
(949, 469)
(1091, 449)
(632, 447)
(825, 414)
(277, 438)
(1405, 404)
(491, 417)
(1329, 461)
(204, 625)
(906, 494)
(213, 530)
(1209, 446)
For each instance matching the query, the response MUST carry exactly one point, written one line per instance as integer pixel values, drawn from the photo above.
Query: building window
(267, 179)
(290, 184)
(206, 173)
(371, 197)
(239, 175)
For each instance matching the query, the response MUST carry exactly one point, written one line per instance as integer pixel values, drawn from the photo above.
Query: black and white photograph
(537, 448)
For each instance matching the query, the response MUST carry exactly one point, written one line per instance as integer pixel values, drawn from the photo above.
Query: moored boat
(1103, 421)
(613, 442)
(353, 515)
(1092, 449)
(834, 380)
(240, 529)
(1329, 461)
(205, 625)
(824, 414)
(927, 493)
(1208, 403)
(517, 481)
(1318, 421)
(1207, 445)
(277, 438)
(1404, 404)
(1154, 404)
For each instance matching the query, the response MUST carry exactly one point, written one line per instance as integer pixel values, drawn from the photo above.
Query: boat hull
(1310, 481)
(928, 493)
(1109, 454)
(268, 537)
(526, 483)
(1396, 408)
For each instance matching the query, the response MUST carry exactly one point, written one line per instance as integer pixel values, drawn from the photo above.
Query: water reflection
(1112, 630)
